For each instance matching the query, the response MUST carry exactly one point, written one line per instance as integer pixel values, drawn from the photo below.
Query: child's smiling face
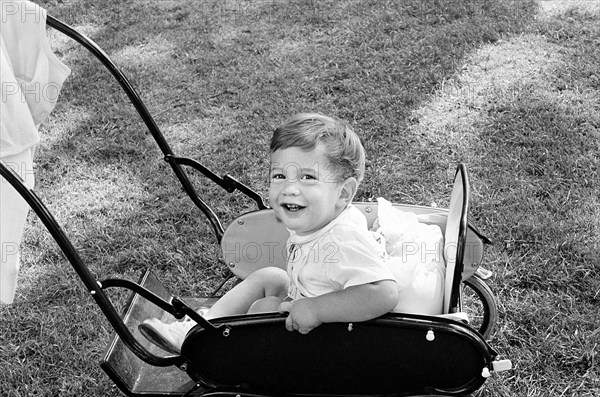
(304, 190)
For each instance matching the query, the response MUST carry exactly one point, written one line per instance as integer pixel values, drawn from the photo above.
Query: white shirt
(342, 254)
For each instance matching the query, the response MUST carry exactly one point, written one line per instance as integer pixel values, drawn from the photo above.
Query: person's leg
(13, 215)
(268, 282)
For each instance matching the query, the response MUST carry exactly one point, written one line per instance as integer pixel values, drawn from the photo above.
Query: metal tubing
(90, 282)
(229, 183)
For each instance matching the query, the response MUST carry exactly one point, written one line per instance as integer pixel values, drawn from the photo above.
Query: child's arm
(357, 303)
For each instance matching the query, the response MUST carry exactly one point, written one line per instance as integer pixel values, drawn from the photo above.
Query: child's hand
(302, 317)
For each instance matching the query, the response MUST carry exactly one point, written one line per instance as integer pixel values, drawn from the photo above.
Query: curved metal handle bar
(135, 99)
(229, 183)
(90, 282)
(177, 307)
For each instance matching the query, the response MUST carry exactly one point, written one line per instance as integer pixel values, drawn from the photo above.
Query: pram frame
(172, 305)
(188, 360)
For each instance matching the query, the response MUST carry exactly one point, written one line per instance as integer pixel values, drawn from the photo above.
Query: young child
(336, 270)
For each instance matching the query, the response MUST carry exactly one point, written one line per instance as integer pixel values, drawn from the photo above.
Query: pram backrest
(256, 239)
(455, 238)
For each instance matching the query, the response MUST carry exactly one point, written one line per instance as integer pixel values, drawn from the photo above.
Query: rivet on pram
(485, 372)
(368, 210)
(430, 335)
(226, 332)
(231, 264)
(183, 367)
(240, 221)
(350, 326)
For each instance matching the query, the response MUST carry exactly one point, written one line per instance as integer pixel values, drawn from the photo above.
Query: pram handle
(94, 287)
(227, 182)
(135, 99)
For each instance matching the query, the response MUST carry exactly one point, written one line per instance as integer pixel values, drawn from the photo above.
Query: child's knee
(273, 280)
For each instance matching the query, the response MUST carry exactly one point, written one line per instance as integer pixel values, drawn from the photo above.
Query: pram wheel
(479, 303)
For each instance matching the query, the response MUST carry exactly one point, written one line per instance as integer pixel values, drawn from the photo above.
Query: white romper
(342, 254)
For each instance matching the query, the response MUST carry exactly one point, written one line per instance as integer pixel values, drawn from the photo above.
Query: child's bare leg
(265, 285)
(269, 282)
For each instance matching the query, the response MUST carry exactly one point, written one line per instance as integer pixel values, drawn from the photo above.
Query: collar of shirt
(351, 216)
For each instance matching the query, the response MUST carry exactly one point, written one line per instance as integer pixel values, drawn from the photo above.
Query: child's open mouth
(292, 207)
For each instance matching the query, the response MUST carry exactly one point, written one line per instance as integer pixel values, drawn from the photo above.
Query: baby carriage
(254, 355)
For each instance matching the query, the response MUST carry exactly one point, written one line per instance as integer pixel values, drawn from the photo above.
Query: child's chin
(294, 226)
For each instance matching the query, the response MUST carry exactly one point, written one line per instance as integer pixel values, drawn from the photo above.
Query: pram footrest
(133, 376)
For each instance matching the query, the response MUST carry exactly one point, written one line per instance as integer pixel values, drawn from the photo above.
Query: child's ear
(347, 191)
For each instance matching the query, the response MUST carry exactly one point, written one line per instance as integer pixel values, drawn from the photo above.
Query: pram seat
(412, 353)
(255, 354)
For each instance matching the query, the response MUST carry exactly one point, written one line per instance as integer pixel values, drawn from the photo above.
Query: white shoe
(168, 337)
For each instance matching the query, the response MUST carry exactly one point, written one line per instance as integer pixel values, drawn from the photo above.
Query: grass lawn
(511, 88)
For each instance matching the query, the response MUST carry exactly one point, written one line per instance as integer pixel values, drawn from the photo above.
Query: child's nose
(291, 187)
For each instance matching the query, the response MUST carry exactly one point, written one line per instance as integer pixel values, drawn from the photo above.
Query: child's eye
(308, 177)
(277, 176)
